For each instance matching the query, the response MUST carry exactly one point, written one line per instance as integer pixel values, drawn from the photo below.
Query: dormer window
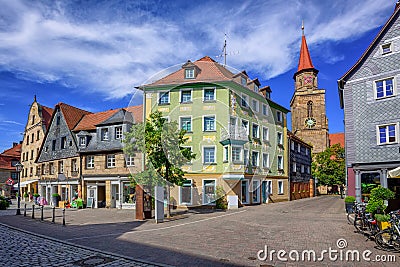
(189, 73)
(244, 81)
(386, 48)
(104, 134)
(82, 141)
(256, 88)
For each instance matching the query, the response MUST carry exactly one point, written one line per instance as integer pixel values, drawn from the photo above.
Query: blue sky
(91, 54)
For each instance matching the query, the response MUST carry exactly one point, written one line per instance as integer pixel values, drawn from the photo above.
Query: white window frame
(191, 122)
(248, 124)
(302, 168)
(308, 170)
(181, 95)
(265, 160)
(257, 159)
(118, 132)
(204, 193)
(244, 99)
(280, 162)
(204, 94)
(215, 154)
(280, 188)
(61, 166)
(294, 167)
(110, 161)
(191, 193)
(255, 105)
(265, 136)
(130, 161)
(291, 144)
(215, 125)
(394, 86)
(190, 73)
(298, 148)
(383, 46)
(264, 110)
(279, 140)
(240, 154)
(279, 116)
(226, 154)
(396, 134)
(257, 190)
(243, 81)
(247, 192)
(89, 162)
(307, 151)
(105, 134)
(161, 93)
(257, 135)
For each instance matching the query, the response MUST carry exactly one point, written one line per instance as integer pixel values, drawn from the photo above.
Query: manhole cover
(93, 261)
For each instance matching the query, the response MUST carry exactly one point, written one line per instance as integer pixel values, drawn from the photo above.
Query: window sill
(209, 163)
(164, 104)
(186, 102)
(385, 97)
(213, 131)
(209, 101)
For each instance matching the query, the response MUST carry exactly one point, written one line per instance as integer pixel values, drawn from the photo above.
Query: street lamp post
(19, 167)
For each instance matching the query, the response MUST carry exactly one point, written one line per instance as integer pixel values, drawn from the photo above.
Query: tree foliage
(163, 144)
(329, 166)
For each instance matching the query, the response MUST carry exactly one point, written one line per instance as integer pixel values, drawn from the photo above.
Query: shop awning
(24, 184)
(395, 173)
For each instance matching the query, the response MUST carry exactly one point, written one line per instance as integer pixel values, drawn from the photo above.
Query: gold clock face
(308, 79)
(310, 122)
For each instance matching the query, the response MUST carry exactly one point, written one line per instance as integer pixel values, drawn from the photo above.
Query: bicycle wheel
(385, 240)
(359, 224)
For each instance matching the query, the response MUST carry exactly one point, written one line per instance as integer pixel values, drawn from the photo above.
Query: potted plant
(348, 203)
(26, 197)
(4, 204)
(55, 198)
(376, 203)
(382, 220)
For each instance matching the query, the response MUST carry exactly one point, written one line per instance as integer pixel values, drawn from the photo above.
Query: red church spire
(305, 59)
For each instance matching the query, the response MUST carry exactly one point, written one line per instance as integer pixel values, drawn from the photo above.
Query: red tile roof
(305, 58)
(137, 112)
(72, 114)
(46, 115)
(336, 138)
(209, 70)
(15, 151)
(90, 121)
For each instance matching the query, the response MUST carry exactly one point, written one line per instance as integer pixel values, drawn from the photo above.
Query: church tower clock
(308, 109)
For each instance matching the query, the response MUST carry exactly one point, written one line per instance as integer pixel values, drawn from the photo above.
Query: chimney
(15, 144)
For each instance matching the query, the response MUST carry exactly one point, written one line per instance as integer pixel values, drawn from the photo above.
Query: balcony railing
(234, 134)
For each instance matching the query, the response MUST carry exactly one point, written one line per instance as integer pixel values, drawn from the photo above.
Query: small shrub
(382, 217)
(221, 202)
(3, 203)
(349, 199)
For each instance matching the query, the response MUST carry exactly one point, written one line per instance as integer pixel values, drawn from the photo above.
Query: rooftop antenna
(224, 51)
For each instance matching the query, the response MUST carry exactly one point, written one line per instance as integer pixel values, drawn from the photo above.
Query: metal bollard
(63, 216)
(53, 220)
(41, 213)
(33, 211)
(25, 210)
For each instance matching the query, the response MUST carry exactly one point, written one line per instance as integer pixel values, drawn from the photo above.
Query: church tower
(308, 109)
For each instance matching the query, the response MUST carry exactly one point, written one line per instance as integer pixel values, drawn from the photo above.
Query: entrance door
(264, 192)
(115, 195)
(92, 197)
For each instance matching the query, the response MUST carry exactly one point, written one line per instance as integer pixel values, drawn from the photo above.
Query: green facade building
(239, 135)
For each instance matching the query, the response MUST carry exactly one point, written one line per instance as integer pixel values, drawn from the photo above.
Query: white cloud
(13, 122)
(116, 49)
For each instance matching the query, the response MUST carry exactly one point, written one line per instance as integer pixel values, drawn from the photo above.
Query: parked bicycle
(363, 221)
(389, 238)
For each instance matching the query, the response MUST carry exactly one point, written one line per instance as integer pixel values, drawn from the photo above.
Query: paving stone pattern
(23, 249)
(201, 238)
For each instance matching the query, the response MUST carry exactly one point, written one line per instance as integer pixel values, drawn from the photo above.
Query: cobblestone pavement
(231, 238)
(19, 248)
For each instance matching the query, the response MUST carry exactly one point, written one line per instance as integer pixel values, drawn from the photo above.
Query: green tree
(329, 166)
(162, 143)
